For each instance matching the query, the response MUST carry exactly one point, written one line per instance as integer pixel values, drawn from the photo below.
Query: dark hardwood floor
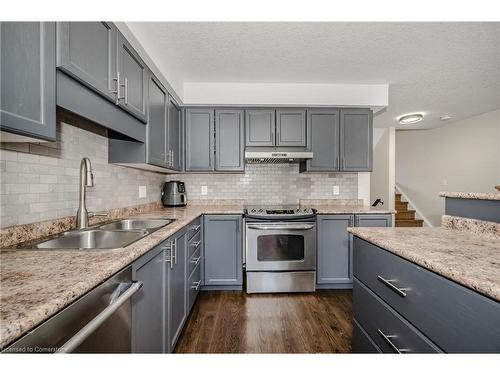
(235, 322)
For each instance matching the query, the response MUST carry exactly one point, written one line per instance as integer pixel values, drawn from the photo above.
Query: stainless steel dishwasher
(98, 322)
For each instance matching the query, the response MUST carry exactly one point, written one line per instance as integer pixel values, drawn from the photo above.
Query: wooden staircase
(404, 216)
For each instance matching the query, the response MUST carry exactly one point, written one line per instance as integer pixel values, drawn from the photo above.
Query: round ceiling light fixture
(410, 118)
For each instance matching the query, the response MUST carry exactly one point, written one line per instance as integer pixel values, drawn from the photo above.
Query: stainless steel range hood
(272, 155)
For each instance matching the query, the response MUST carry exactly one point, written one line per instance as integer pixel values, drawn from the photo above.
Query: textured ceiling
(437, 68)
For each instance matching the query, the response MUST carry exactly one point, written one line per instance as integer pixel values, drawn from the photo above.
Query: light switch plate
(336, 189)
(204, 189)
(142, 192)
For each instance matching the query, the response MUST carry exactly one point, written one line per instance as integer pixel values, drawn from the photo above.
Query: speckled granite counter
(463, 257)
(493, 196)
(35, 284)
(342, 206)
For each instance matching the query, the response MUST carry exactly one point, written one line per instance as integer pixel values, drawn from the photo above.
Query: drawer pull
(389, 283)
(196, 285)
(387, 339)
(196, 260)
(195, 227)
(195, 243)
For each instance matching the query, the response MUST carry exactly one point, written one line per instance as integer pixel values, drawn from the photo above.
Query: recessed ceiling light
(445, 117)
(410, 118)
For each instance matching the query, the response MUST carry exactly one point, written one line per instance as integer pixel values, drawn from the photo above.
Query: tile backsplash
(39, 181)
(270, 184)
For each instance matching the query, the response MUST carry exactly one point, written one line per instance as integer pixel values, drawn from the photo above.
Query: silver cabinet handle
(125, 86)
(281, 227)
(387, 339)
(174, 247)
(389, 283)
(195, 227)
(171, 158)
(196, 285)
(195, 243)
(117, 91)
(195, 260)
(171, 258)
(95, 323)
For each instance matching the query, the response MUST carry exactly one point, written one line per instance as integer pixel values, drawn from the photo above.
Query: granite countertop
(349, 209)
(36, 284)
(493, 196)
(463, 257)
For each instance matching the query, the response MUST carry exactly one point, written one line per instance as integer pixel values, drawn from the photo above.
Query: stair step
(409, 223)
(405, 215)
(401, 206)
(398, 197)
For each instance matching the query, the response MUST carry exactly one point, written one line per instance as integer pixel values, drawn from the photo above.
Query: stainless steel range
(280, 249)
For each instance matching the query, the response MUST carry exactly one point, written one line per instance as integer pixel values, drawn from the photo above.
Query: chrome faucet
(86, 179)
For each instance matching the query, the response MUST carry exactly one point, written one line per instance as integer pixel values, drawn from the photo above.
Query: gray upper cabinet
(356, 144)
(291, 127)
(174, 137)
(132, 79)
(157, 123)
(148, 304)
(28, 80)
(260, 127)
(176, 295)
(323, 131)
(223, 254)
(199, 140)
(87, 52)
(229, 135)
(334, 251)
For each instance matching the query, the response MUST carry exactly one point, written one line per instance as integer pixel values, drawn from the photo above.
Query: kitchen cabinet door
(28, 80)
(230, 140)
(148, 303)
(260, 127)
(334, 249)
(87, 52)
(176, 288)
(323, 131)
(133, 76)
(157, 123)
(223, 255)
(174, 135)
(373, 220)
(291, 127)
(199, 140)
(356, 144)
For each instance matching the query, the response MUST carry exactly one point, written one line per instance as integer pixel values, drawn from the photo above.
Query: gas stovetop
(279, 213)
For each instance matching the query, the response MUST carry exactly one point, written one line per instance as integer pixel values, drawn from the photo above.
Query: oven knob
(253, 210)
(261, 210)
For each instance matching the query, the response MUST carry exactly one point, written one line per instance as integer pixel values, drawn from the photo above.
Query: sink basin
(93, 239)
(132, 224)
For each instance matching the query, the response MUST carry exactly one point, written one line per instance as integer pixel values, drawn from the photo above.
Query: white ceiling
(437, 68)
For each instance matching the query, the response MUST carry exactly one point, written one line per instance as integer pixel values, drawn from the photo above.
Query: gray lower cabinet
(87, 52)
(174, 136)
(334, 264)
(260, 127)
(229, 140)
(148, 303)
(175, 291)
(291, 127)
(223, 254)
(132, 79)
(356, 140)
(199, 131)
(334, 254)
(323, 132)
(28, 81)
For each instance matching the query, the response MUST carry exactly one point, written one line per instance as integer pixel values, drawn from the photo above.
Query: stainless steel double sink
(117, 234)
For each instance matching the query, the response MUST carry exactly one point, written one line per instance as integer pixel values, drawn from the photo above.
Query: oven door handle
(282, 227)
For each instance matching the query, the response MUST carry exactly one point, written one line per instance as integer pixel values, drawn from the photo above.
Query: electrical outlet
(142, 192)
(336, 189)
(204, 189)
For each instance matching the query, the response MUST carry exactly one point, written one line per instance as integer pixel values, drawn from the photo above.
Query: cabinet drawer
(194, 284)
(194, 244)
(455, 318)
(389, 331)
(361, 342)
(194, 260)
(194, 228)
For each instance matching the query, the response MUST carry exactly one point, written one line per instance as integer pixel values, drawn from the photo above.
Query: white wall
(382, 177)
(461, 156)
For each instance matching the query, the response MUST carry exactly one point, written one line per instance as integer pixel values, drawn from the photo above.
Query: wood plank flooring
(236, 322)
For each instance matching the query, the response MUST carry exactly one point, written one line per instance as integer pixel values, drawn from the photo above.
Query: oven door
(280, 246)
